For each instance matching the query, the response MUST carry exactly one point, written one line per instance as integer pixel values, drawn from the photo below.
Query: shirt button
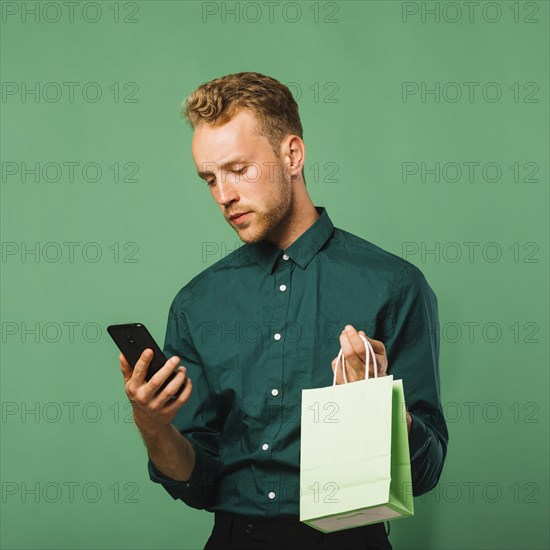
(249, 528)
(275, 392)
(285, 256)
(282, 288)
(277, 336)
(265, 446)
(271, 495)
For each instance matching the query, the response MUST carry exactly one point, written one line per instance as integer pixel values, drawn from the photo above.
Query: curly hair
(216, 102)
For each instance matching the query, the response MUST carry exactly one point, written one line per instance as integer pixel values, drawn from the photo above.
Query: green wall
(426, 126)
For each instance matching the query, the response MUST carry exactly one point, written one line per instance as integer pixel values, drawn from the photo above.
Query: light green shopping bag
(354, 460)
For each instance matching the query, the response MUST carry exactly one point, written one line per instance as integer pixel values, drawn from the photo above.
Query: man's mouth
(238, 218)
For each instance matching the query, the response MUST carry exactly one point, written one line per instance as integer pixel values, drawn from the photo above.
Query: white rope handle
(368, 351)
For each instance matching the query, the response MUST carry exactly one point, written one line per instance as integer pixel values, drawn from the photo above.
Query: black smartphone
(132, 340)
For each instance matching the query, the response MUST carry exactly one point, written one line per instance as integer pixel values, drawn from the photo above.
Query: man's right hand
(153, 412)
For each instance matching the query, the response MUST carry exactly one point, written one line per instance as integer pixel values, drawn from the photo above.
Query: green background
(65, 416)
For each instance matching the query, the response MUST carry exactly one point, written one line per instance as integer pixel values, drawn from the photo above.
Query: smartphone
(132, 340)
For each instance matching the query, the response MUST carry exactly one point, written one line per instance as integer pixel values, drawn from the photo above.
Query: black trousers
(236, 532)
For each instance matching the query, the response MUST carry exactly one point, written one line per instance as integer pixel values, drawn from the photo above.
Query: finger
(381, 363)
(335, 363)
(182, 398)
(374, 348)
(353, 360)
(343, 366)
(163, 397)
(162, 375)
(140, 369)
(125, 368)
(380, 354)
(339, 377)
(124, 361)
(377, 345)
(355, 340)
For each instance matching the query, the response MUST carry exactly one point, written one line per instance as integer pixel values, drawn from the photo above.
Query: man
(267, 321)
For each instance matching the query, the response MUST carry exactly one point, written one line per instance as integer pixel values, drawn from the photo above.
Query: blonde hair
(217, 101)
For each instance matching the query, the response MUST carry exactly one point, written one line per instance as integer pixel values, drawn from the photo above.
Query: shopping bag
(354, 452)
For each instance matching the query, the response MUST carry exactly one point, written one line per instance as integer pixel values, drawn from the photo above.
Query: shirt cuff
(178, 488)
(419, 437)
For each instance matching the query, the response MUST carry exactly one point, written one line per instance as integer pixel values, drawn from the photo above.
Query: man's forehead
(225, 151)
(236, 141)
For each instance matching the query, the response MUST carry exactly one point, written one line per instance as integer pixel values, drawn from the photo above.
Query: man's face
(243, 175)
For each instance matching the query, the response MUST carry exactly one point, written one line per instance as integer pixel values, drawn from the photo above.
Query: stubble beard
(266, 225)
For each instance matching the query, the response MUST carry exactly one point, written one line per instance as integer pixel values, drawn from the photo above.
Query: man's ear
(293, 154)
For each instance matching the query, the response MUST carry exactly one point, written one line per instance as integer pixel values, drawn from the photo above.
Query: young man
(268, 320)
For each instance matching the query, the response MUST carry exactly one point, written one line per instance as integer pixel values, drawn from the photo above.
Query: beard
(266, 224)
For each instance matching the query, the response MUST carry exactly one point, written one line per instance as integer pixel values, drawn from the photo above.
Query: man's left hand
(353, 349)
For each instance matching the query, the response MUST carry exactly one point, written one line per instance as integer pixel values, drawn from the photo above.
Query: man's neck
(299, 222)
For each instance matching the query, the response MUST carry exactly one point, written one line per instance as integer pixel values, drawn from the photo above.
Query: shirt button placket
(280, 309)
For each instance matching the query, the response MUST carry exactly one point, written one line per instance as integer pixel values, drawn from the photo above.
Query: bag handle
(368, 347)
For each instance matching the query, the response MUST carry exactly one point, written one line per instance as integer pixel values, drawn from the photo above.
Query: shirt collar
(302, 249)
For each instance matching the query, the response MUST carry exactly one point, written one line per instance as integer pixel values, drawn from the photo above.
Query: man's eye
(210, 182)
(239, 171)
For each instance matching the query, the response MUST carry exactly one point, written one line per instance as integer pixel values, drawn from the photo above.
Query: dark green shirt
(260, 325)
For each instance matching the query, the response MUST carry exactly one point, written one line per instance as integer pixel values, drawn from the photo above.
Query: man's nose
(226, 192)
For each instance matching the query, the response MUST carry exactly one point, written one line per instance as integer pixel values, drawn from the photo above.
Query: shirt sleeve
(412, 349)
(197, 420)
